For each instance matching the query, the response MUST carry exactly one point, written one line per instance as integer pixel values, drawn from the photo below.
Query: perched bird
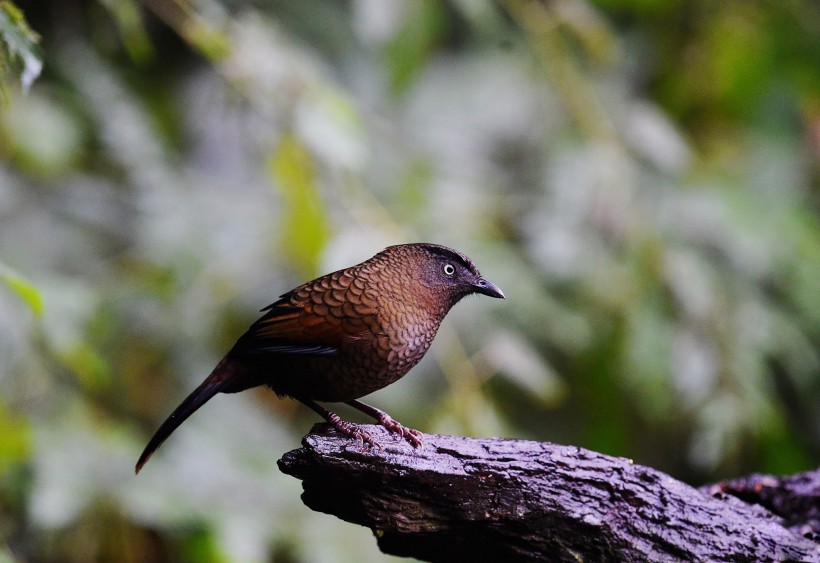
(344, 335)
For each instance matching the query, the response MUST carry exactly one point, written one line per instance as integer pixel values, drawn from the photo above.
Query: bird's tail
(224, 374)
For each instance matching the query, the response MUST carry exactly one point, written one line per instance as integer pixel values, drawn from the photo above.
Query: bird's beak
(487, 287)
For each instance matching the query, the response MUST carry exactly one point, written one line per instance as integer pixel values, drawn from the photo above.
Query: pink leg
(346, 428)
(412, 436)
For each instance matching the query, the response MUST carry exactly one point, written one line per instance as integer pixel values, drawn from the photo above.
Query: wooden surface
(465, 499)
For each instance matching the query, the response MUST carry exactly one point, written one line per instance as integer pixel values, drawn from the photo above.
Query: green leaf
(305, 222)
(15, 440)
(90, 368)
(209, 40)
(127, 16)
(24, 289)
(424, 26)
(18, 45)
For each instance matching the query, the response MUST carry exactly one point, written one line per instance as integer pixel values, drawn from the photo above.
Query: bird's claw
(365, 437)
(405, 433)
(414, 437)
(353, 430)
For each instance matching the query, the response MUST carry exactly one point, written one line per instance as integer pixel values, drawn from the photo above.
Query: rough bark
(794, 498)
(497, 499)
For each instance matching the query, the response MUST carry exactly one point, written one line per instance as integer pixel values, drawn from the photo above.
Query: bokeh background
(639, 176)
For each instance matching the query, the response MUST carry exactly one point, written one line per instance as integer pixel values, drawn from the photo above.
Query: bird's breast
(409, 332)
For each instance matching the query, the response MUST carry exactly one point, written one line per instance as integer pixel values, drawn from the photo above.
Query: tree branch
(465, 498)
(794, 498)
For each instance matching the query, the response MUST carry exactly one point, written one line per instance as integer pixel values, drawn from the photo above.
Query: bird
(344, 335)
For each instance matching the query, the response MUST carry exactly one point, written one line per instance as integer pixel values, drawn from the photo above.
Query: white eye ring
(449, 270)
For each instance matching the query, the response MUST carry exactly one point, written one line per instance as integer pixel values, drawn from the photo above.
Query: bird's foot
(352, 430)
(409, 434)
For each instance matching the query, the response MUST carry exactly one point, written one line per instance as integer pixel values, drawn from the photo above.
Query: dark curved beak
(486, 287)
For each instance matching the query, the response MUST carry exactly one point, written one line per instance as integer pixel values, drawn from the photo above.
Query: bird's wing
(310, 320)
(287, 330)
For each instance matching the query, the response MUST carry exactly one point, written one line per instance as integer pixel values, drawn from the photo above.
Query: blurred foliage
(19, 53)
(23, 288)
(640, 177)
(305, 222)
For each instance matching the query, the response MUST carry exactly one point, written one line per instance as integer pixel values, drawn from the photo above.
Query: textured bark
(492, 499)
(794, 498)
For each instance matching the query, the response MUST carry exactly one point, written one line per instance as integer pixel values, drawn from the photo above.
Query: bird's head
(446, 272)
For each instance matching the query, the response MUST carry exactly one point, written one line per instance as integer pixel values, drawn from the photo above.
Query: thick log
(497, 499)
(794, 498)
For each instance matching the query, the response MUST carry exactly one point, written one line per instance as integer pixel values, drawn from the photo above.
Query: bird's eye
(449, 270)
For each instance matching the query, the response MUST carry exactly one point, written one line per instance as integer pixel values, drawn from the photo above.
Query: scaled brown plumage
(344, 335)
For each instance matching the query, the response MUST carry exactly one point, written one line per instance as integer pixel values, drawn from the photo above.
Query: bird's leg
(346, 428)
(412, 436)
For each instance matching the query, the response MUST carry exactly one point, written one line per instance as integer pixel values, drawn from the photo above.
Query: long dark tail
(224, 374)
